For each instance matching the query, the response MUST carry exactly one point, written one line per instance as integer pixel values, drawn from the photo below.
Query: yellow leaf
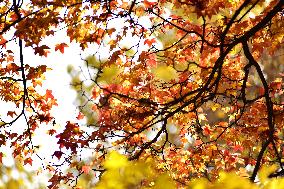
(92, 61)
(164, 182)
(265, 172)
(275, 183)
(110, 75)
(12, 184)
(201, 183)
(165, 73)
(232, 181)
(115, 161)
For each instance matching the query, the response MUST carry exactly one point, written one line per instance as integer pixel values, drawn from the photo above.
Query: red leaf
(1, 156)
(58, 154)
(261, 91)
(60, 47)
(198, 142)
(80, 116)
(28, 161)
(86, 169)
(2, 41)
(11, 113)
(149, 4)
(48, 94)
(149, 42)
(2, 139)
(51, 132)
(206, 131)
(42, 50)
(276, 85)
(238, 148)
(14, 17)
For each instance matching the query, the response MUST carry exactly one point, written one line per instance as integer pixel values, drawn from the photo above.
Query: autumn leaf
(13, 17)
(60, 47)
(80, 116)
(164, 181)
(28, 161)
(238, 148)
(58, 154)
(11, 113)
(51, 132)
(42, 50)
(165, 73)
(265, 172)
(2, 40)
(149, 4)
(48, 94)
(2, 139)
(86, 169)
(149, 42)
(93, 61)
(109, 74)
(115, 160)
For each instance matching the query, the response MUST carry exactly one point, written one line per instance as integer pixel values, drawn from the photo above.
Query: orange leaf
(2, 40)
(198, 142)
(80, 116)
(149, 4)
(238, 148)
(11, 113)
(51, 132)
(261, 90)
(149, 42)
(14, 17)
(28, 161)
(42, 50)
(48, 94)
(60, 47)
(86, 169)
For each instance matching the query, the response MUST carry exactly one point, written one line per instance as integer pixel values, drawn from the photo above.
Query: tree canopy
(193, 86)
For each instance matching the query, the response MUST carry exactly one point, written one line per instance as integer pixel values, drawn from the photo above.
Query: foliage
(195, 86)
(143, 175)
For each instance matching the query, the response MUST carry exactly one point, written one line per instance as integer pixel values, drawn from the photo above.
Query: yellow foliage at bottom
(123, 174)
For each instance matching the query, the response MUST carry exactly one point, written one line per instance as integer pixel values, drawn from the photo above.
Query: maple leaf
(149, 4)
(48, 94)
(2, 139)
(86, 169)
(198, 142)
(11, 113)
(42, 50)
(115, 161)
(149, 42)
(58, 154)
(110, 74)
(165, 73)
(80, 116)
(28, 161)
(238, 148)
(51, 132)
(60, 47)
(3, 41)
